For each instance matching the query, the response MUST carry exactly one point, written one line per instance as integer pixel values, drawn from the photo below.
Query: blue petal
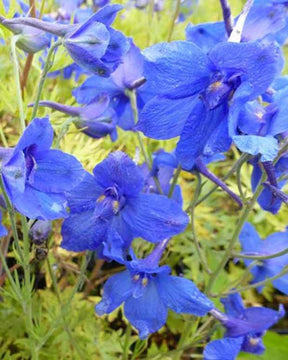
(250, 240)
(56, 171)
(182, 295)
(255, 320)
(39, 132)
(94, 87)
(253, 345)
(83, 231)
(118, 46)
(257, 62)
(254, 145)
(39, 205)
(233, 305)
(147, 313)
(107, 14)
(168, 68)
(157, 119)
(3, 231)
(224, 349)
(199, 127)
(148, 212)
(282, 283)
(279, 122)
(118, 168)
(116, 290)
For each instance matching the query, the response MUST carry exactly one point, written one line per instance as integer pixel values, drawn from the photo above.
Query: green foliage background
(105, 338)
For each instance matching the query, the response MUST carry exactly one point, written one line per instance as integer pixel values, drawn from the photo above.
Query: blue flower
(3, 231)
(244, 329)
(36, 177)
(268, 199)
(267, 19)
(202, 86)
(109, 209)
(92, 44)
(95, 119)
(163, 167)
(148, 291)
(253, 245)
(124, 79)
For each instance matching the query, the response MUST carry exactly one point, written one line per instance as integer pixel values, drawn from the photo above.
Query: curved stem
(246, 210)
(261, 257)
(18, 83)
(47, 67)
(174, 181)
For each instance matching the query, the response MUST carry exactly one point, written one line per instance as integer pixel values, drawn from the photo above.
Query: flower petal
(224, 349)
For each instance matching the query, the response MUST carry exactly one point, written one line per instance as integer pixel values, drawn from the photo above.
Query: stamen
(145, 281)
(101, 198)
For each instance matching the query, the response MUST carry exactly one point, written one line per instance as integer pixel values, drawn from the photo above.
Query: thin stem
(244, 157)
(47, 67)
(257, 284)
(238, 178)
(261, 257)
(3, 137)
(18, 84)
(9, 275)
(173, 21)
(227, 16)
(194, 237)
(65, 325)
(127, 342)
(246, 210)
(174, 181)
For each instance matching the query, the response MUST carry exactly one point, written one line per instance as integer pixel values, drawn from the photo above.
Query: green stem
(261, 257)
(47, 67)
(18, 83)
(243, 158)
(127, 342)
(257, 284)
(173, 21)
(245, 212)
(192, 215)
(3, 137)
(133, 102)
(65, 325)
(9, 275)
(174, 181)
(238, 178)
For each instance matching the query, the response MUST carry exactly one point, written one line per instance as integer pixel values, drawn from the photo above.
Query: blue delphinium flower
(203, 86)
(127, 76)
(148, 291)
(267, 19)
(253, 245)
(244, 329)
(109, 209)
(95, 119)
(163, 167)
(36, 177)
(3, 231)
(268, 199)
(92, 44)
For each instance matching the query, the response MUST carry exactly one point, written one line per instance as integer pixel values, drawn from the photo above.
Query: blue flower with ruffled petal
(109, 209)
(244, 329)
(207, 88)
(36, 177)
(253, 245)
(148, 291)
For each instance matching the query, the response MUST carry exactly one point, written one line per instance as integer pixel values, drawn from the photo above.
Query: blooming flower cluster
(211, 92)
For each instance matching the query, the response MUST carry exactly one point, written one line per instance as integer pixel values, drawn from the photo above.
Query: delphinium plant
(143, 173)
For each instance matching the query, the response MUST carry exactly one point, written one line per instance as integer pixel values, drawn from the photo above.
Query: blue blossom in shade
(30, 39)
(253, 245)
(109, 209)
(263, 20)
(148, 291)
(3, 231)
(93, 44)
(203, 86)
(268, 200)
(36, 177)
(95, 119)
(163, 167)
(100, 3)
(244, 328)
(125, 78)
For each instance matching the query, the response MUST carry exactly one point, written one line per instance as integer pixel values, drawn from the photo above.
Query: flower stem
(261, 257)
(174, 181)
(227, 254)
(47, 67)
(18, 84)
(192, 215)
(226, 11)
(173, 21)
